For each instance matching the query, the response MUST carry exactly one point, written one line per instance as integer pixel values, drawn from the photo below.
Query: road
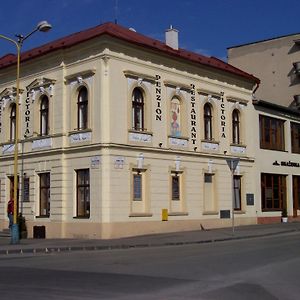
(260, 268)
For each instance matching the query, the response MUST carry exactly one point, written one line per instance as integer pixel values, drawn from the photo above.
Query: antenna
(116, 11)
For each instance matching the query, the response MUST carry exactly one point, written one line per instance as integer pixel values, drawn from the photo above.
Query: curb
(65, 249)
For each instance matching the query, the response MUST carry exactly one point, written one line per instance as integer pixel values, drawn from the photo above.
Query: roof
(125, 34)
(276, 107)
(266, 40)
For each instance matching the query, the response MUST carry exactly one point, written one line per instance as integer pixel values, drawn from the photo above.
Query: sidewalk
(154, 240)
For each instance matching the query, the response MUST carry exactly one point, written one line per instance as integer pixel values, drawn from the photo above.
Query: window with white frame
(208, 135)
(236, 126)
(12, 122)
(82, 108)
(44, 194)
(83, 193)
(44, 116)
(138, 110)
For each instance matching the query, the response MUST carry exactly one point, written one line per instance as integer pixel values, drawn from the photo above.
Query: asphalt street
(257, 268)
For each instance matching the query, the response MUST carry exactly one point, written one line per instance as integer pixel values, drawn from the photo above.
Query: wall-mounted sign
(95, 162)
(119, 162)
(193, 115)
(286, 164)
(158, 111)
(223, 116)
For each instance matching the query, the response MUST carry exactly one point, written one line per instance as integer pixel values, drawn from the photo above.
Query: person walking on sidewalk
(10, 212)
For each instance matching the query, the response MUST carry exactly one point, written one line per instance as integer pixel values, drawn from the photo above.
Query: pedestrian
(10, 212)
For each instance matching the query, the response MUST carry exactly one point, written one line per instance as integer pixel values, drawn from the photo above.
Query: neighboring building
(276, 62)
(277, 161)
(120, 131)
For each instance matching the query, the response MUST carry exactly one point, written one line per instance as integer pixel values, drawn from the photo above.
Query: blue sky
(205, 26)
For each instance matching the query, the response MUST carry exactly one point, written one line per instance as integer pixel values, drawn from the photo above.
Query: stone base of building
(88, 230)
(268, 220)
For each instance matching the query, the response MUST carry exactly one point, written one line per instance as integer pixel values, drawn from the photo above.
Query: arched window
(137, 109)
(175, 117)
(208, 122)
(44, 116)
(236, 127)
(82, 109)
(13, 122)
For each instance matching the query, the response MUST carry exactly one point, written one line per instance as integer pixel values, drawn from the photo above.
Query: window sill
(174, 214)
(210, 213)
(79, 131)
(239, 212)
(80, 218)
(178, 137)
(212, 141)
(42, 217)
(238, 145)
(133, 215)
(142, 131)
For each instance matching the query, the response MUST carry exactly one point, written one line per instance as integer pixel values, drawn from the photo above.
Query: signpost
(232, 164)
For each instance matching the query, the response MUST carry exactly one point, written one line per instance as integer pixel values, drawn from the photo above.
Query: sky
(208, 27)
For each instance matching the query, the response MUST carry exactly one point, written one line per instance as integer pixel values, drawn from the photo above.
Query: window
(82, 109)
(273, 192)
(295, 137)
(26, 189)
(175, 187)
(175, 117)
(44, 194)
(208, 122)
(44, 116)
(83, 193)
(271, 133)
(236, 127)
(237, 192)
(138, 110)
(13, 122)
(137, 187)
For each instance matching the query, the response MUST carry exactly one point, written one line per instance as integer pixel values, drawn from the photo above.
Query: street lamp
(43, 27)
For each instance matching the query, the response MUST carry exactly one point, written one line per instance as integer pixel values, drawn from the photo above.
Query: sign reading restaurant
(286, 164)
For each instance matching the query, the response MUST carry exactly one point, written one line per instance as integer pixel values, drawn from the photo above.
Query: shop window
(138, 110)
(83, 193)
(82, 109)
(236, 127)
(208, 122)
(295, 137)
(12, 122)
(273, 192)
(271, 133)
(44, 194)
(44, 116)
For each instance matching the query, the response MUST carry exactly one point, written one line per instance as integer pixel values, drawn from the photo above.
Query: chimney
(172, 38)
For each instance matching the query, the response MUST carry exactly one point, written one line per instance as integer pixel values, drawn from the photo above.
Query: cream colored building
(276, 62)
(277, 161)
(124, 135)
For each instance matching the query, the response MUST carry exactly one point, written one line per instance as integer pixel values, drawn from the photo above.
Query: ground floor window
(237, 192)
(83, 193)
(273, 192)
(175, 187)
(44, 194)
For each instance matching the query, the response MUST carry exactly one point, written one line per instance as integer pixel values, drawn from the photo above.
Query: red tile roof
(130, 36)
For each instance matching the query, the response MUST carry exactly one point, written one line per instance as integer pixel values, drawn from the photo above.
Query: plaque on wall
(250, 199)
(225, 214)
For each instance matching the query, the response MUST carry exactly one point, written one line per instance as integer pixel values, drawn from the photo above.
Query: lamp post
(42, 26)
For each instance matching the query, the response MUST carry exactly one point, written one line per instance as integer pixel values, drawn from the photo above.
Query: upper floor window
(175, 117)
(44, 194)
(271, 133)
(13, 122)
(208, 122)
(44, 116)
(295, 137)
(236, 127)
(82, 109)
(138, 110)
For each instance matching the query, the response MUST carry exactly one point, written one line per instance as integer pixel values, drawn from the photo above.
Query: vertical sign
(193, 116)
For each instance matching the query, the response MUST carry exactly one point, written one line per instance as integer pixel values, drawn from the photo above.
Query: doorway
(296, 195)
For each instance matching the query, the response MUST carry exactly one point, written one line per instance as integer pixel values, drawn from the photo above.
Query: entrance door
(296, 194)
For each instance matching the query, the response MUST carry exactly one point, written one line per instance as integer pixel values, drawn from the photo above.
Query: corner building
(124, 135)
